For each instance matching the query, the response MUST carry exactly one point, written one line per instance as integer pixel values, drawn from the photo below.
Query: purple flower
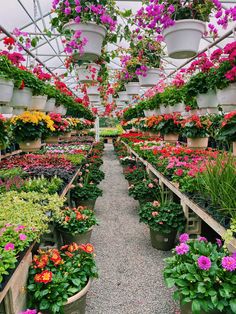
(29, 312)
(234, 255)
(219, 242)
(9, 246)
(67, 11)
(204, 263)
(228, 263)
(182, 249)
(183, 238)
(203, 239)
(22, 237)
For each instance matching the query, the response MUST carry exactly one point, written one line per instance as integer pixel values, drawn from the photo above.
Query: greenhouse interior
(118, 157)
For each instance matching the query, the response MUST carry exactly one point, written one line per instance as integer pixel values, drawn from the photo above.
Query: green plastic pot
(79, 238)
(187, 309)
(163, 241)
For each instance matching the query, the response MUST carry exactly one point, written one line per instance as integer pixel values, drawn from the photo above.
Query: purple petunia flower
(228, 263)
(182, 249)
(204, 262)
(29, 312)
(203, 239)
(183, 238)
(9, 246)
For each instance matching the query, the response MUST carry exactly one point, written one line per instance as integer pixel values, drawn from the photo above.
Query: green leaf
(76, 282)
(170, 282)
(233, 305)
(44, 305)
(196, 307)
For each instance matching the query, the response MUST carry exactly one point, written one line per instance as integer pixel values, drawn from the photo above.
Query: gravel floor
(130, 269)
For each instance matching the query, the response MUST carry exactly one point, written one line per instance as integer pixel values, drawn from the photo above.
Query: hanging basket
(123, 96)
(198, 142)
(6, 91)
(227, 97)
(38, 103)
(164, 109)
(6, 109)
(132, 88)
(183, 38)
(50, 105)
(22, 98)
(88, 73)
(60, 109)
(151, 79)
(94, 33)
(93, 90)
(18, 111)
(149, 113)
(180, 107)
(94, 98)
(30, 146)
(208, 100)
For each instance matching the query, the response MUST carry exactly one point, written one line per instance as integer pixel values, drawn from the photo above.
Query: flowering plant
(57, 275)
(196, 126)
(76, 220)
(86, 191)
(146, 190)
(4, 131)
(170, 123)
(30, 126)
(173, 95)
(163, 216)
(204, 275)
(60, 125)
(228, 127)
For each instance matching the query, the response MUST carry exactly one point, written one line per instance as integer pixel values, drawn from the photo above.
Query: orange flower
(79, 216)
(46, 276)
(40, 262)
(67, 218)
(37, 278)
(69, 254)
(55, 257)
(89, 248)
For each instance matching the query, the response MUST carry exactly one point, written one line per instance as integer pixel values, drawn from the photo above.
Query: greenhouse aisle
(130, 269)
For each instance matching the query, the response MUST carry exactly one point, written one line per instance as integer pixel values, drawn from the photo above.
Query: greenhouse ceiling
(34, 16)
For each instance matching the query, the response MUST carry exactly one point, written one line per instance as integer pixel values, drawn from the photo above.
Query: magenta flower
(234, 255)
(202, 239)
(228, 263)
(204, 262)
(219, 242)
(9, 246)
(29, 312)
(22, 237)
(183, 238)
(182, 249)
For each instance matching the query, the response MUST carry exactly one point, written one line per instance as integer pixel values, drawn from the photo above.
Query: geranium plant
(227, 130)
(196, 126)
(76, 220)
(4, 132)
(170, 124)
(146, 190)
(203, 274)
(55, 276)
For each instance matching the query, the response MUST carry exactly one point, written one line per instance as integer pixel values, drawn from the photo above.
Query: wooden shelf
(185, 201)
(16, 152)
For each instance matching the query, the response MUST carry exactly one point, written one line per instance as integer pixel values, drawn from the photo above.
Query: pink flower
(179, 172)
(183, 238)
(150, 185)
(182, 249)
(228, 263)
(9, 246)
(22, 237)
(203, 239)
(219, 242)
(204, 263)
(154, 214)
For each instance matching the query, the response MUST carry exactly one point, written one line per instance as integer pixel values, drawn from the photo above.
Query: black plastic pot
(163, 241)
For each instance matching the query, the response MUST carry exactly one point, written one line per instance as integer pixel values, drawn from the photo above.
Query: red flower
(44, 277)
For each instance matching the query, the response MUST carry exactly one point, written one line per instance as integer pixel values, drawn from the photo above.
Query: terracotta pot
(171, 138)
(77, 303)
(79, 238)
(183, 38)
(161, 241)
(234, 148)
(187, 309)
(30, 146)
(52, 140)
(87, 203)
(199, 142)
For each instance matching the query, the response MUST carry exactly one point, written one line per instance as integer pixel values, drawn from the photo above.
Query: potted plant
(85, 25)
(60, 125)
(129, 64)
(181, 24)
(6, 88)
(164, 219)
(29, 127)
(88, 72)
(76, 224)
(51, 93)
(68, 126)
(4, 132)
(204, 276)
(56, 283)
(85, 194)
(227, 131)
(169, 126)
(195, 128)
(173, 99)
(144, 191)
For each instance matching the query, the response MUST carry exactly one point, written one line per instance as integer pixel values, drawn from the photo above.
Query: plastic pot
(123, 96)
(187, 309)
(50, 105)
(208, 100)
(132, 88)
(227, 96)
(151, 79)
(52, 140)
(149, 113)
(172, 138)
(95, 35)
(38, 103)
(79, 238)
(30, 146)
(66, 136)
(88, 73)
(161, 241)
(198, 142)
(94, 98)
(6, 91)
(22, 98)
(6, 109)
(86, 203)
(183, 38)
(180, 107)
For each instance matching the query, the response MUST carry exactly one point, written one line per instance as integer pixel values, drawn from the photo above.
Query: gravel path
(130, 270)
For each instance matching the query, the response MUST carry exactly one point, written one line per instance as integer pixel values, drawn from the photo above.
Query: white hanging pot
(132, 88)
(212, 110)
(123, 96)
(94, 98)
(94, 33)
(50, 105)
(64, 110)
(183, 38)
(207, 100)
(151, 79)
(93, 90)
(6, 109)
(180, 107)
(88, 72)
(6, 90)
(38, 103)
(60, 110)
(22, 98)
(227, 98)
(17, 111)
(149, 113)
(164, 110)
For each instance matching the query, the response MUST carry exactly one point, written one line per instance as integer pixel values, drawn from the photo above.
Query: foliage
(173, 95)
(94, 175)
(132, 113)
(86, 191)
(11, 173)
(135, 175)
(162, 216)
(196, 126)
(199, 271)
(4, 132)
(144, 190)
(228, 128)
(111, 131)
(75, 159)
(75, 220)
(169, 124)
(55, 276)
